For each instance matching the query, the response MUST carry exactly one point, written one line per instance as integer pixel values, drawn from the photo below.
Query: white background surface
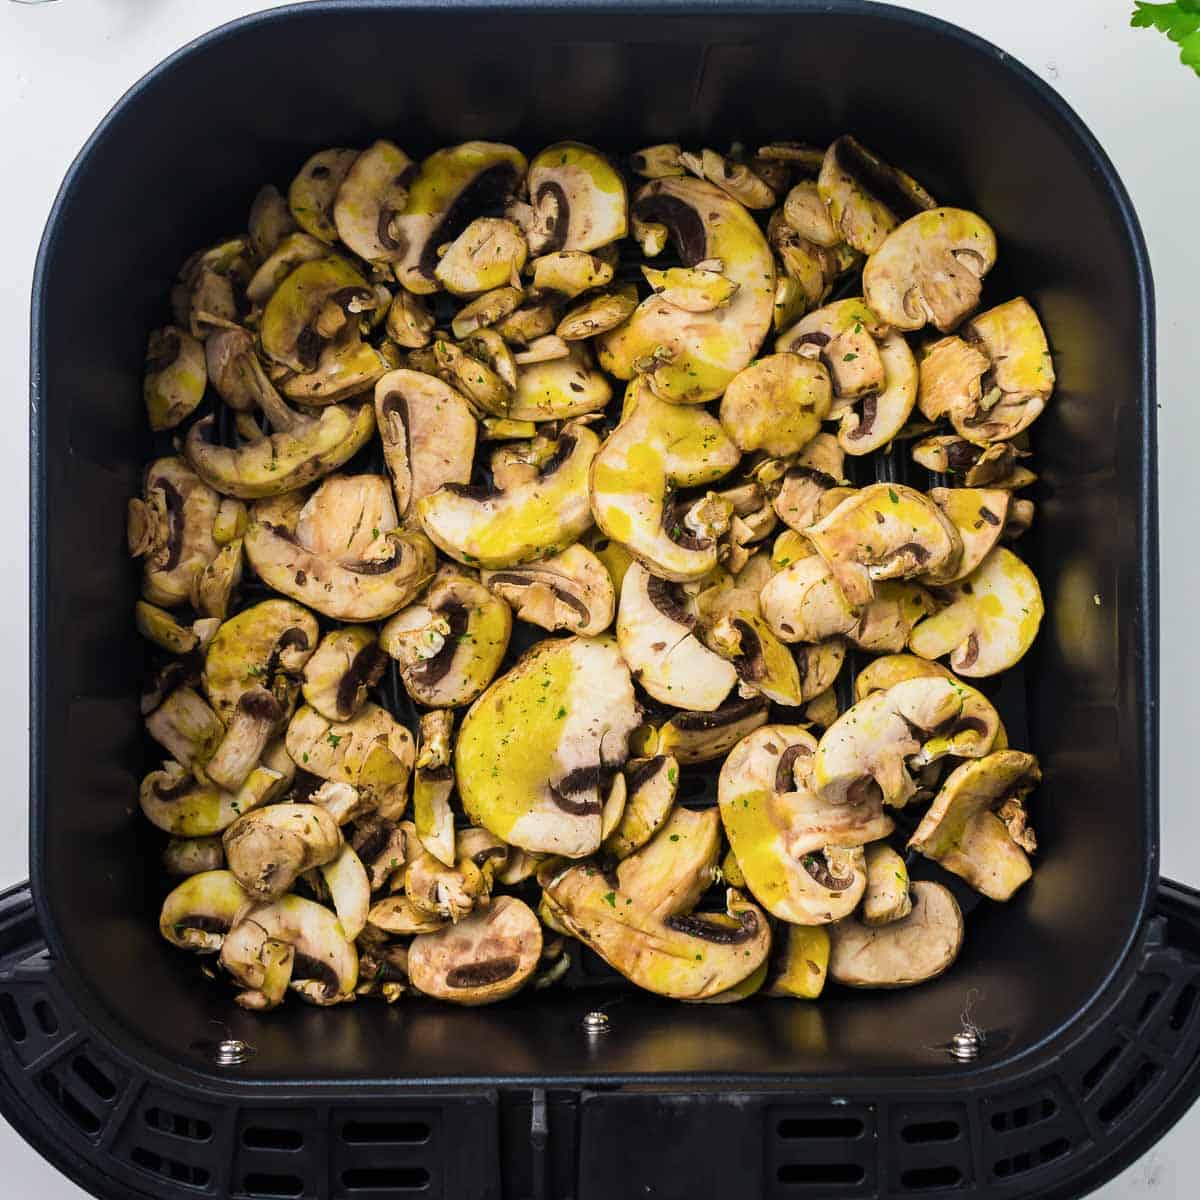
(63, 64)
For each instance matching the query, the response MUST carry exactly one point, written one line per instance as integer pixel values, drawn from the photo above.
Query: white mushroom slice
(529, 322)
(349, 889)
(764, 665)
(845, 337)
(559, 388)
(808, 214)
(980, 515)
(347, 662)
(200, 911)
(428, 434)
(660, 161)
(205, 296)
(886, 898)
(270, 848)
(791, 846)
(267, 643)
(191, 856)
(185, 726)
(291, 251)
(570, 591)
(885, 531)
(340, 550)
(380, 845)
(890, 669)
(776, 404)
(172, 799)
(488, 254)
(486, 957)
(450, 645)
(693, 289)
(803, 603)
(656, 448)
(371, 752)
(930, 269)
(870, 747)
(696, 737)
(915, 949)
(577, 197)
(270, 220)
(446, 892)
(433, 781)
(313, 192)
(372, 193)
(819, 666)
(812, 268)
(867, 198)
(977, 827)
(254, 721)
(995, 466)
(990, 620)
(733, 178)
(483, 311)
(213, 588)
(670, 873)
(550, 348)
(158, 626)
(815, 471)
(325, 964)
(175, 377)
(343, 802)
(651, 784)
(533, 750)
(799, 962)
(505, 526)
(598, 314)
(889, 618)
(398, 915)
(656, 632)
(691, 357)
(568, 273)
(823, 710)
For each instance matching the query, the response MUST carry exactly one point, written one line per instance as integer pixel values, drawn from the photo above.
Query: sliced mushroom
(819, 666)
(185, 726)
(930, 269)
(483, 311)
(268, 644)
(995, 466)
(399, 915)
(912, 950)
(313, 193)
(890, 669)
(670, 873)
(252, 725)
(867, 198)
(270, 848)
(158, 626)
(570, 591)
(776, 404)
(270, 220)
(800, 856)
(568, 273)
(343, 802)
(191, 856)
(529, 322)
(535, 750)
(691, 357)
(816, 470)
(656, 448)
(200, 911)
(559, 388)
(889, 618)
(372, 193)
(577, 200)
(371, 752)
(433, 782)
(813, 269)
(977, 827)
(799, 962)
(428, 434)
(349, 888)
(175, 377)
(884, 531)
(990, 618)
(486, 957)
(488, 254)
(735, 179)
(696, 737)
(651, 785)
(284, 258)
(598, 314)
(823, 710)
(339, 549)
(453, 186)
(504, 526)
(980, 515)
(657, 162)
(380, 846)
(886, 899)
(736, 630)
(657, 634)
(324, 962)
(871, 746)
(450, 644)
(206, 295)
(446, 892)
(172, 528)
(803, 602)
(213, 588)
(346, 664)
(808, 214)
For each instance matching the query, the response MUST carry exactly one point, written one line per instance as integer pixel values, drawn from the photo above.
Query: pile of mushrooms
(496, 499)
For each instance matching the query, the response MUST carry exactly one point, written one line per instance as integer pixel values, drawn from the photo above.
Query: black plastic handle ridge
(1076, 1118)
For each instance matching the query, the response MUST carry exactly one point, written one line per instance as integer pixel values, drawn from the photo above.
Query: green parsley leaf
(610, 898)
(562, 712)
(672, 775)
(893, 497)
(334, 739)
(674, 837)
(849, 357)
(1180, 21)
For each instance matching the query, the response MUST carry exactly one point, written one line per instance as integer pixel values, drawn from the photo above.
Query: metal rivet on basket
(965, 1045)
(232, 1052)
(595, 1022)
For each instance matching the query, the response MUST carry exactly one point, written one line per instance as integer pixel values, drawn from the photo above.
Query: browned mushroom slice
(186, 727)
(371, 194)
(446, 892)
(995, 466)
(815, 470)
(696, 737)
(570, 591)
(486, 957)
(270, 848)
(488, 254)
(175, 377)
(253, 723)
(398, 915)
(379, 844)
(313, 192)
(347, 662)
(191, 856)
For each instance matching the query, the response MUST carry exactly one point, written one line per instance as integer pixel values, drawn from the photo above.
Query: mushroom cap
(695, 355)
(783, 835)
(803, 603)
(559, 388)
(428, 433)
(656, 448)
(270, 848)
(313, 192)
(199, 913)
(346, 663)
(980, 516)
(930, 269)
(339, 550)
(373, 191)
(534, 750)
(884, 531)
(656, 632)
(890, 669)
(776, 404)
(571, 591)
(456, 664)
(651, 785)
(450, 188)
(266, 643)
(579, 199)
(502, 526)
(912, 950)
(173, 529)
(487, 956)
(989, 621)
(488, 254)
(961, 830)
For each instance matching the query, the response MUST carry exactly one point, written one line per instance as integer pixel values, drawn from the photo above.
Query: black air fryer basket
(137, 1080)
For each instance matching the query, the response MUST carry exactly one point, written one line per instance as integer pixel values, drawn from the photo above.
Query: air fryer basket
(1085, 985)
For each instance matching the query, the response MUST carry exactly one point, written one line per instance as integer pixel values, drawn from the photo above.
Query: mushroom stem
(253, 722)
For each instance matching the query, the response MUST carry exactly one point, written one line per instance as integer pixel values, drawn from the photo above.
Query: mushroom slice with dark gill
(270, 848)
(816, 470)
(346, 664)
(651, 785)
(801, 857)
(486, 957)
(577, 200)
(696, 737)
(450, 644)
(186, 727)
(997, 465)
(340, 549)
(371, 194)
(803, 602)
(200, 911)
(536, 751)
(488, 254)
(175, 377)
(312, 195)
(980, 515)
(911, 950)
(977, 825)
(559, 388)
(570, 591)
(254, 722)
(433, 782)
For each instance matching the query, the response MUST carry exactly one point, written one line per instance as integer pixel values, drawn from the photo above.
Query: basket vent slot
(822, 1152)
(189, 1174)
(385, 1133)
(262, 1137)
(10, 1016)
(930, 1131)
(45, 1017)
(1184, 1007)
(927, 1179)
(194, 1129)
(1017, 1164)
(385, 1179)
(812, 1174)
(260, 1183)
(1094, 1075)
(93, 1077)
(820, 1127)
(1124, 1099)
(67, 1101)
(1148, 994)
